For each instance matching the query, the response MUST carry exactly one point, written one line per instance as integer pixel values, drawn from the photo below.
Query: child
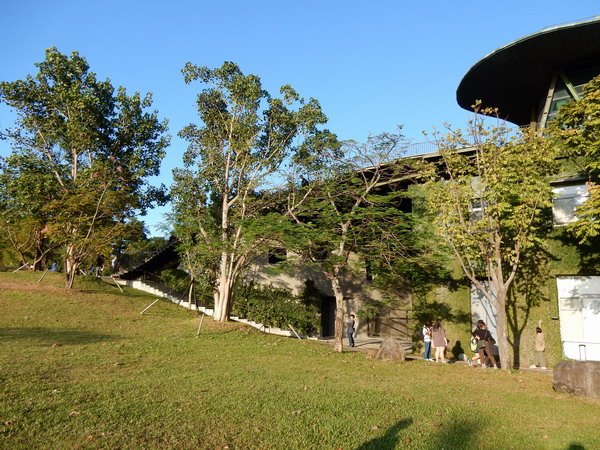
(540, 347)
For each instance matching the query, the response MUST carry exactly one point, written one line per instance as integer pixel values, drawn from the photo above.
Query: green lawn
(85, 369)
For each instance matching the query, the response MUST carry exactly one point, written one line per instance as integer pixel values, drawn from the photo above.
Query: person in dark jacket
(485, 344)
(350, 329)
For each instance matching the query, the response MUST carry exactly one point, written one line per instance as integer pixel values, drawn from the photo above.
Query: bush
(275, 307)
(179, 281)
(176, 279)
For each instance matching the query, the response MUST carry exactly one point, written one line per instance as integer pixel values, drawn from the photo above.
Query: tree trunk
(339, 314)
(223, 297)
(39, 250)
(191, 293)
(501, 327)
(70, 271)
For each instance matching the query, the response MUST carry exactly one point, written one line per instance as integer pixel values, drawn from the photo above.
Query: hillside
(83, 368)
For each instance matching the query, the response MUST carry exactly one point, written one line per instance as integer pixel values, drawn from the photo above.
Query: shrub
(275, 307)
(179, 281)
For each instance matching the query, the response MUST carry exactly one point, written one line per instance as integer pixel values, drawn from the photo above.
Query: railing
(420, 148)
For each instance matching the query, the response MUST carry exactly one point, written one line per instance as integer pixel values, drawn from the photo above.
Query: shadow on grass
(390, 439)
(53, 336)
(459, 433)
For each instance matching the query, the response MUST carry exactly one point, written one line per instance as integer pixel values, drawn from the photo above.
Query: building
(528, 80)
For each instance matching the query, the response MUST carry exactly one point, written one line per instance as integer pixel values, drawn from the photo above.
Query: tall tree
(350, 204)
(489, 200)
(576, 130)
(100, 146)
(234, 156)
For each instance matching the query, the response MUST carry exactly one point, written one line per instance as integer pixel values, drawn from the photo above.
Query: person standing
(540, 348)
(438, 336)
(350, 329)
(427, 341)
(485, 344)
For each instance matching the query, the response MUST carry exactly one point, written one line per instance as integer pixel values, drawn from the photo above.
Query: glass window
(578, 77)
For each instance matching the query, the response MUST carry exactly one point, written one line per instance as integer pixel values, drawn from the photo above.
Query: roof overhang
(516, 77)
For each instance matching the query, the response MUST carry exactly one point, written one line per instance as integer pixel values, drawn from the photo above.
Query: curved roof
(515, 77)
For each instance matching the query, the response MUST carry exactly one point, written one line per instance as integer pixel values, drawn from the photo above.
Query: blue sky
(372, 65)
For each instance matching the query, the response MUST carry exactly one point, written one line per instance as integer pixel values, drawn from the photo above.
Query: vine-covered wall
(526, 306)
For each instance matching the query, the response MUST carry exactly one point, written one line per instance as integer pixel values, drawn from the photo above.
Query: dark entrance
(327, 316)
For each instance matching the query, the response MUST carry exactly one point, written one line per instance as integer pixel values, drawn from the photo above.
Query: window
(576, 78)
(477, 209)
(565, 202)
(561, 96)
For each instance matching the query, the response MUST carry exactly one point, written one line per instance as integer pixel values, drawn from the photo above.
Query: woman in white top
(427, 341)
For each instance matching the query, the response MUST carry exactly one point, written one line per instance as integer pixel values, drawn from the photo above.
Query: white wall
(482, 308)
(565, 202)
(579, 311)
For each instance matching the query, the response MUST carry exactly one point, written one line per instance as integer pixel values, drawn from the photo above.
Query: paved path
(367, 344)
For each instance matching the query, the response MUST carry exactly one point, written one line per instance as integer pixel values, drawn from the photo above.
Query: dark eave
(517, 76)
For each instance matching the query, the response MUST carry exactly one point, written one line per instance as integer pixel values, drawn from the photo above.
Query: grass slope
(85, 369)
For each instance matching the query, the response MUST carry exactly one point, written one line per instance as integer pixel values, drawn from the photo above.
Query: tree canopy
(489, 201)
(82, 155)
(576, 130)
(225, 213)
(349, 214)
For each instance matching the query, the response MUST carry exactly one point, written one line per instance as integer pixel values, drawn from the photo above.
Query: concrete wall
(294, 273)
(579, 310)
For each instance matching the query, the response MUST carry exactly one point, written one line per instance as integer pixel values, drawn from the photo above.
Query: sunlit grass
(85, 369)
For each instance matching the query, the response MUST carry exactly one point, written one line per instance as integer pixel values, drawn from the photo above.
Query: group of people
(482, 343)
(434, 336)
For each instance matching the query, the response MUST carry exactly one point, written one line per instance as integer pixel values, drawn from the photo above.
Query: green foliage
(179, 281)
(490, 203)
(499, 192)
(175, 279)
(224, 207)
(276, 307)
(82, 156)
(576, 131)
(134, 246)
(354, 202)
(26, 187)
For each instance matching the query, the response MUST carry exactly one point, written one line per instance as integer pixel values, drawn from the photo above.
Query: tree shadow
(51, 336)
(425, 311)
(390, 439)
(458, 434)
(526, 292)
